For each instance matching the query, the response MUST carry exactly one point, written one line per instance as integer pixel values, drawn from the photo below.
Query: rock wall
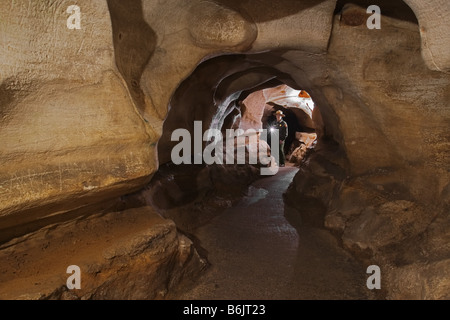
(434, 31)
(382, 188)
(71, 134)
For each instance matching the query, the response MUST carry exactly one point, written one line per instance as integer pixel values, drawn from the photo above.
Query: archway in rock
(241, 92)
(231, 91)
(221, 90)
(358, 137)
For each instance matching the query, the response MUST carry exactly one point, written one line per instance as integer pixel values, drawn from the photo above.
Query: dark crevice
(134, 44)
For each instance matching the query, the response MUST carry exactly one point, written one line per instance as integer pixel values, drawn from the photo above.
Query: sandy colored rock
(134, 254)
(253, 111)
(71, 135)
(434, 32)
(82, 112)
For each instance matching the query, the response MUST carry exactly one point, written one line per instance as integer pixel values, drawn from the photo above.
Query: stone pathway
(256, 254)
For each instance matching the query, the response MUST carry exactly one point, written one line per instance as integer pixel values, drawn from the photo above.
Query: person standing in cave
(282, 128)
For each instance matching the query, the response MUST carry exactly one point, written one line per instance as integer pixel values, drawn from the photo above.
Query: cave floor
(254, 253)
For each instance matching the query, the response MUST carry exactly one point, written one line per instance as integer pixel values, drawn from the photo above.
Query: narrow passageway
(256, 254)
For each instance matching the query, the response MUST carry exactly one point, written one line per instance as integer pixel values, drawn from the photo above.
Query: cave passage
(252, 248)
(256, 253)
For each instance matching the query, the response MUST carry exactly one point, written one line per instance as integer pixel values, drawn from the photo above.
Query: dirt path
(256, 254)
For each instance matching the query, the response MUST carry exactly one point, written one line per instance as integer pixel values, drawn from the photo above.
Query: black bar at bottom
(211, 309)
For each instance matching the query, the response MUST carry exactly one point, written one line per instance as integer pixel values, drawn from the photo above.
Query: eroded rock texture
(134, 254)
(71, 134)
(86, 115)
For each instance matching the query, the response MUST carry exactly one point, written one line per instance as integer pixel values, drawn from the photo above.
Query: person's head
(279, 114)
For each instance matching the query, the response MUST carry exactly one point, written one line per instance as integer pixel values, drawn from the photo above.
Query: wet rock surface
(255, 253)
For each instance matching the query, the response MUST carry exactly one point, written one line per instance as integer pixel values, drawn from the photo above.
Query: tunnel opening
(231, 92)
(215, 92)
(243, 99)
(243, 93)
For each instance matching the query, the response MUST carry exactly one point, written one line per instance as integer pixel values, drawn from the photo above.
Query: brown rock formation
(133, 254)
